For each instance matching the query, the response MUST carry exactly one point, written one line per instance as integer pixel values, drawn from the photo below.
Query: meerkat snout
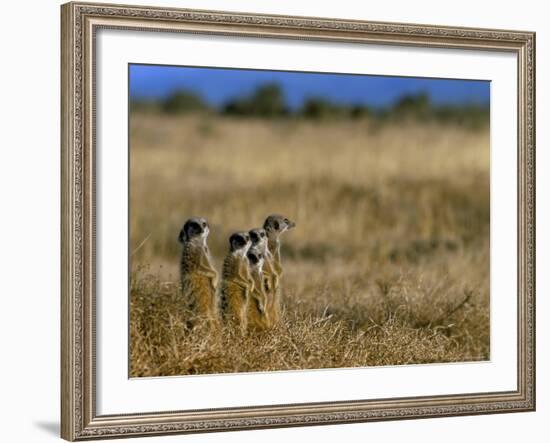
(289, 224)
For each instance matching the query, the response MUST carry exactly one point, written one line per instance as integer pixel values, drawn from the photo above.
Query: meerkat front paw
(214, 281)
(261, 307)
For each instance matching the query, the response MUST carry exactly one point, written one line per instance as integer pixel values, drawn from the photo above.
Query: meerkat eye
(276, 225)
(262, 234)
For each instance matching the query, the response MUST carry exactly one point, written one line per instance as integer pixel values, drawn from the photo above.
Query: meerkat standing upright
(198, 276)
(274, 226)
(237, 283)
(266, 280)
(257, 317)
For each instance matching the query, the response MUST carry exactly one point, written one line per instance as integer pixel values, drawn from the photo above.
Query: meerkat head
(239, 242)
(275, 225)
(258, 236)
(196, 229)
(255, 258)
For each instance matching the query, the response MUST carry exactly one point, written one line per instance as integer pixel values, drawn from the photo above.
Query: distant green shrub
(416, 106)
(183, 101)
(320, 108)
(360, 111)
(419, 107)
(267, 101)
(237, 107)
(471, 116)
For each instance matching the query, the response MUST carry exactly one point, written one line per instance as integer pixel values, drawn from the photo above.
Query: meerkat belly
(234, 300)
(256, 318)
(199, 295)
(270, 287)
(276, 305)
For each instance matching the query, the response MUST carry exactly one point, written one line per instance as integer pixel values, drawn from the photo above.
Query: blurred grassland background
(388, 264)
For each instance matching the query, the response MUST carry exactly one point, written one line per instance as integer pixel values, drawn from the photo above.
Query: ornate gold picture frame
(80, 22)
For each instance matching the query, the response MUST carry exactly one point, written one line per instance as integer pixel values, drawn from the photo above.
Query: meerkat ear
(182, 236)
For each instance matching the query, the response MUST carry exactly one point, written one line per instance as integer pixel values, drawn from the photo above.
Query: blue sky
(217, 85)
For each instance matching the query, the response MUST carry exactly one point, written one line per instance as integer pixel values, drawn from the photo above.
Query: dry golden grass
(388, 264)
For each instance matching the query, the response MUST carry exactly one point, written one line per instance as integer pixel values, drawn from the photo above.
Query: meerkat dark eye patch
(237, 241)
(191, 229)
(254, 237)
(194, 228)
(253, 258)
(276, 225)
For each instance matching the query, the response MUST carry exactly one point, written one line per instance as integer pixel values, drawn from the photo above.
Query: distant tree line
(268, 101)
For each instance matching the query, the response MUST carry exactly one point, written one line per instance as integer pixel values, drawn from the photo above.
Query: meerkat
(257, 317)
(265, 283)
(197, 275)
(274, 226)
(236, 283)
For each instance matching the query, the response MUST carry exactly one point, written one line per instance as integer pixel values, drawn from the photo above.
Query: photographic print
(300, 220)
(273, 221)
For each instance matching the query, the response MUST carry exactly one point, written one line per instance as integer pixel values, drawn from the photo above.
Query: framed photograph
(283, 221)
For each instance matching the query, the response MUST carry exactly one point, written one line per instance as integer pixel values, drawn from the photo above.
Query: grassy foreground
(389, 263)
